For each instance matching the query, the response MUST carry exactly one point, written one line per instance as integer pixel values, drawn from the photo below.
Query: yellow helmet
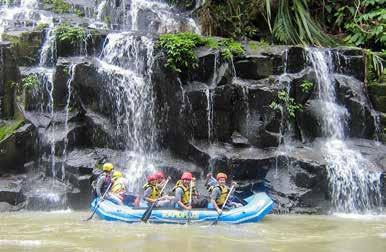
(108, 167)
(117, 174)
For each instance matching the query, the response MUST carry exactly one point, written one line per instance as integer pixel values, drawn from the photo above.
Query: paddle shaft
(190, 198)
(97, 205)
(147, 213)
(225, 202)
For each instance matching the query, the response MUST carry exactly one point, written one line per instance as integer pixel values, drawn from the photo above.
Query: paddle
(190, 199)
(147, 213)
(97, 205)
(223, 205)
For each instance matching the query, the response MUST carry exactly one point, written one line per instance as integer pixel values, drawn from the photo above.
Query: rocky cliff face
(219, 116)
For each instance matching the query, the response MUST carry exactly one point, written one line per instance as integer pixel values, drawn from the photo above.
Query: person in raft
(104, 180)
(119, 190)
(220, 192)
(152, 191)
(182, 193)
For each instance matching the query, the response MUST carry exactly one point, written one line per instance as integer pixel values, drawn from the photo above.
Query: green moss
(254, 45)
(25, 46)
(66, 33)
(8, 128)
(180, 49)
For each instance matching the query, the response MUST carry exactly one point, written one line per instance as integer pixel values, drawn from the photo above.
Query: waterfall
(101, 7)
(162, 18)
(354, 181)
(126, 63)
(209, 111)
(48, 52)
(67, 111)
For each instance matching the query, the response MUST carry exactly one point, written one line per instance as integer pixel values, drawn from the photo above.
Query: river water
(65, 231)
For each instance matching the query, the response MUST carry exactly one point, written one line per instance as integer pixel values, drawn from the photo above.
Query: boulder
(11, 189)
(350, 61)
(9, 74)
(91, 45)
(17, 149)
(352, 94)
(25, 45)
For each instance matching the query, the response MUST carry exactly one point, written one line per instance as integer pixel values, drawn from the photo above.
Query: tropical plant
(306, 86)
(180, 47)
(364, 21)
(30, 81)
(286, 102)
(294, 25)
(69, 34)
(374, 64)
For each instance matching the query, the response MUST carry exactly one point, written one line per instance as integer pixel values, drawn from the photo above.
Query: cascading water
(67, 111)
(354, 181)
(126, 63)
(163, 18)
(48, 51)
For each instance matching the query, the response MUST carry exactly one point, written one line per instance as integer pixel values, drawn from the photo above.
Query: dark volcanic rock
(11, 189)
(351, 93)
(25, 45)
(296, 180)
(17, 149)
(350, 61)
(9, 74)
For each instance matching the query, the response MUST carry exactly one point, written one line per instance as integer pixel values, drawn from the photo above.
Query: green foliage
(59, 6)
(30, 81)
(69, 34)
(374, 64)
(79, 13)
(364, 21)
(7, 129)
(306, 86)
(41, 26)
(231, 18)
(286, 102)
(294, 25)
(230, 48)
(180, 49)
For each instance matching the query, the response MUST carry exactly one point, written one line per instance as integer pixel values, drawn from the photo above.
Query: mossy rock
(25, 46)
(379, 103)
(7, 128)
(9, 74)
(377, 89)
(383, 119)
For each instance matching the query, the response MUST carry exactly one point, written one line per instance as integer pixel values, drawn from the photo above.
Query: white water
(67, 111)
(101, 7)
(165, 21)
(25, 12)
(48, 52)
(126, 63)
(354, 181)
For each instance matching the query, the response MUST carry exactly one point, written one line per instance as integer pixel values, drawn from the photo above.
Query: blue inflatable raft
(258, 206)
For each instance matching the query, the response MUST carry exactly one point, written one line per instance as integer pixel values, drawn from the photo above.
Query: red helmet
(151, 177)
(159, 175)
(221, 175)
(186, 176)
